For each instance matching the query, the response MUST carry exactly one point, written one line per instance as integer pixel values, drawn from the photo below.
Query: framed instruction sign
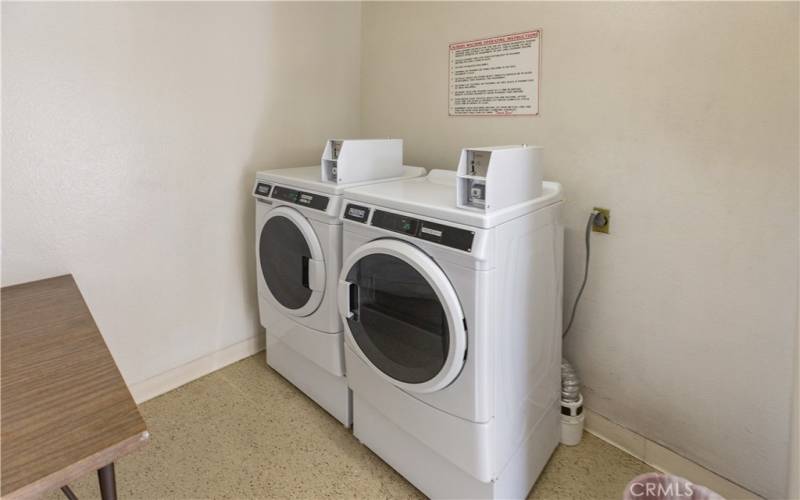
(496, 76)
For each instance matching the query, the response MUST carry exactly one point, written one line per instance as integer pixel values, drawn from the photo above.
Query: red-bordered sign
(496, 76)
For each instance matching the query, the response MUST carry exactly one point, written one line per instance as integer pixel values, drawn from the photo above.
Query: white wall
(682, 119)
(131, 133)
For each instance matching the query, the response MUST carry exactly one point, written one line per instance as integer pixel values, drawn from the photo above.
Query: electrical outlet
(602, 222)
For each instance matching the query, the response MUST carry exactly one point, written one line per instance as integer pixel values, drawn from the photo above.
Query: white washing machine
(453, 334)
(298, 254)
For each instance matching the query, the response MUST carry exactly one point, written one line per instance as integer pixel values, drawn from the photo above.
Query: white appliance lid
(311, 178)
(434, 196)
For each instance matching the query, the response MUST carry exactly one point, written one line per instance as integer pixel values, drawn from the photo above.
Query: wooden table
(64, 408)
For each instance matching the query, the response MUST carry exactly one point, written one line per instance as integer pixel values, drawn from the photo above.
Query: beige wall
(682, 119)
(131, 133)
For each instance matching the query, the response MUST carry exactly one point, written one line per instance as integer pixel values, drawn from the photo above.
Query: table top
(64, 408)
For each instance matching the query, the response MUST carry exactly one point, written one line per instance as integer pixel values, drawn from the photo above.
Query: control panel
(448, 236)
(262, 189)
(302, 198)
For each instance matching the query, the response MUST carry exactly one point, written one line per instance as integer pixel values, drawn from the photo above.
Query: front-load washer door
(402, 315)
(290, 261)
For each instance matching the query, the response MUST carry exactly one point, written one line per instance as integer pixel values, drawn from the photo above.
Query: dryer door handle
(348, 300)
(315, 274)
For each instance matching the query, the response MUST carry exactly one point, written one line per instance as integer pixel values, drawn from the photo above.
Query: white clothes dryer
(453, 334)
(298, 256)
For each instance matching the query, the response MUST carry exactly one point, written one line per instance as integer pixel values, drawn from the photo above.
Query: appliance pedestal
(327, 390)
(435, 476)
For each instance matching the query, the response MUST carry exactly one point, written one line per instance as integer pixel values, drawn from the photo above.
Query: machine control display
(300, 198)
(356, 213)
(449, 236)
(262, 189)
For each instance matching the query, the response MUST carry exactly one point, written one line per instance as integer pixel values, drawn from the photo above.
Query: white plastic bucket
(572, 421)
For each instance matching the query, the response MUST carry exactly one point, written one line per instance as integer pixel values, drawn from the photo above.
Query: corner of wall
(180, 375)
(793, 489)
(363, 8)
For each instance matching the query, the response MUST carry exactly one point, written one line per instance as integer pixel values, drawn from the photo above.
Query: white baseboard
(661, 458)
(167, 381)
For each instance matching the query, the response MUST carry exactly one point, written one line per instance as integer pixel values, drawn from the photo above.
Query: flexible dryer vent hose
(570, 383)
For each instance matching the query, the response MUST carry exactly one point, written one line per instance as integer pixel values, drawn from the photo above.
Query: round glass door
(403, 315)
(290, 259)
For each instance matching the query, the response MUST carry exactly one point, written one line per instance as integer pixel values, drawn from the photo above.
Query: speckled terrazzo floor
(244, 432)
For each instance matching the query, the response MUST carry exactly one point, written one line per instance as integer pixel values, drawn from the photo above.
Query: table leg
(108, 484)
(68, 492)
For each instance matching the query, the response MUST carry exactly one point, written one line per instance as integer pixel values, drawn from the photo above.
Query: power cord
(598, 219)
